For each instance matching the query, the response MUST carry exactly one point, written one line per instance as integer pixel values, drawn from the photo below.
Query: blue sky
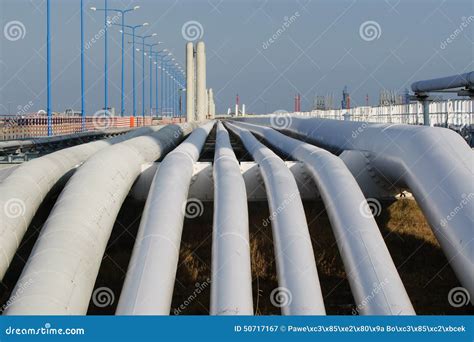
(320, 50)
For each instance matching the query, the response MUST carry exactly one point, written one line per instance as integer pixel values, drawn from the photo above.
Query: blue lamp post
(143, 38)
(122, 14)
(83, 111)
(133, 28)
(48, 68)
(150, 57)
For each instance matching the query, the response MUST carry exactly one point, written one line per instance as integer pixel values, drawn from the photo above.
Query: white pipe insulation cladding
(151, 274)
(295, 261)
(367, 261)
(65, 260)
(436, 164)
(24, 189)
(231, 280)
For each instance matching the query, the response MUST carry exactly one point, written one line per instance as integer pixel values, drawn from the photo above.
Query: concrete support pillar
(211, 105)
(201, 92)
(190, 82)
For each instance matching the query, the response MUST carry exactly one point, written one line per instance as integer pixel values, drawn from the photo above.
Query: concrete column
(211, 104)
(190, 97)
(201, 82)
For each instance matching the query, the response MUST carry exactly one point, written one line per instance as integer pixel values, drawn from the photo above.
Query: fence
(33, 126)
(450, 113)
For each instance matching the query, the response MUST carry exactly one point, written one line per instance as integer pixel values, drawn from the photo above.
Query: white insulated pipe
(190, 82)
(368, 264)
(231, 280)
(66, 258)
(151, 274)
(296, 267)
(24, 189)
(435, 163)
(201, 90)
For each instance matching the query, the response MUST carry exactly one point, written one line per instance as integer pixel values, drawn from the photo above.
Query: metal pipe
(366, 258)
(435, 163)
(151, 273)
(449, 82)
(66, 258)
(296, 266)
(231, 280)
(23, 191)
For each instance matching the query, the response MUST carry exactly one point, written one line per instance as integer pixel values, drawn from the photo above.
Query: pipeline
(24, 189)
(151, 274)
(296, 267)
(66, 258)
(231, 285)
(435, 163)
(449, 82)
(366, 258)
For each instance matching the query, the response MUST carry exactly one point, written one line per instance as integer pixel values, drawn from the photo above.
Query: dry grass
(414, 249)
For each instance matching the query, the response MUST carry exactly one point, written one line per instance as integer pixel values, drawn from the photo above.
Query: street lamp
(143, 38)
(122, 14)
(48, 68)
(133, 28)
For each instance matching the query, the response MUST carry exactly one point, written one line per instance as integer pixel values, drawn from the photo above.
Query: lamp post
(133, 28)
(150, 56)
(143, 38)
(122, 14)
(157, 55)
(83, 111)
(48, 68)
